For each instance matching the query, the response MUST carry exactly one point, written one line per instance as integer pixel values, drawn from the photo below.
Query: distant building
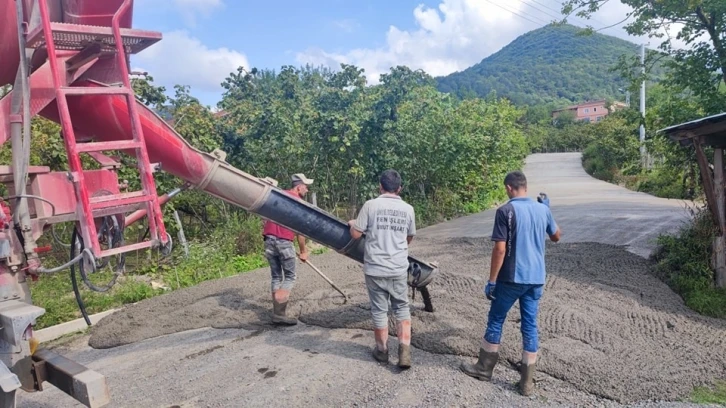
(592, 111)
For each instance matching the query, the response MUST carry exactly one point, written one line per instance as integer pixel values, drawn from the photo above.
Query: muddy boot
(380, 356)
(279, 314)
(483, 368)
(380, 350)
(403, 331)
(526, 382)
(404, 356)
(279, 310)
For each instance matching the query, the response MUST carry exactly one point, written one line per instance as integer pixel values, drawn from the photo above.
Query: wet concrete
(608, 328)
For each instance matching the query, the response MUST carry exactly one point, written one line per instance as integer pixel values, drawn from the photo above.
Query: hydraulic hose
(77, 259)
(35, 197)
(76, 290)
(76, 238)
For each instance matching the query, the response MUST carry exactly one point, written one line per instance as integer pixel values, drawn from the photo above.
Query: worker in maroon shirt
(280, 253)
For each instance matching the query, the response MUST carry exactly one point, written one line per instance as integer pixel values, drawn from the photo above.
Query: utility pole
(643, 152)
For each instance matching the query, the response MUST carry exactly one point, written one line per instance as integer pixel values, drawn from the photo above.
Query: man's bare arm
(303, 249)
(409, 239)
(556, 236)
(498, 253)
(353, 231)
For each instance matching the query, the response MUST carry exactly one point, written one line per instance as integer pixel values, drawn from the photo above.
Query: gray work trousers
(385, 291)
(280, 253)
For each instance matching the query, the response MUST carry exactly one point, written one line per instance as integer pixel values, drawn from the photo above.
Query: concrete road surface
(587, 209)
(312, 366)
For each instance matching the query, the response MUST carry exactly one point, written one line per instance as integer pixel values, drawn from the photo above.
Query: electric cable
(35, 197)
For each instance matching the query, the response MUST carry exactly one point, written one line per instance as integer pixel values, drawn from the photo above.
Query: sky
(205, 40)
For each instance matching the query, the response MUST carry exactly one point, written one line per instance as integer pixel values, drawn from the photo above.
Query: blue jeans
(505, 295)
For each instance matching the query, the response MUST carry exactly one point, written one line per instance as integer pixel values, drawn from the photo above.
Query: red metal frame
(148, 195)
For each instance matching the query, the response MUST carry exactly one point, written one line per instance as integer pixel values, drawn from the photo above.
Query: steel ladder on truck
(90, 42)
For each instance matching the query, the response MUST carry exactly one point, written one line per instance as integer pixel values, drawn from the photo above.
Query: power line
(540, 10)
(559, 12)
(581, 19)
(515, 13)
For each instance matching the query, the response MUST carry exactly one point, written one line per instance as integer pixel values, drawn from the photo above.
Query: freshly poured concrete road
(586, 209)
(312, 366)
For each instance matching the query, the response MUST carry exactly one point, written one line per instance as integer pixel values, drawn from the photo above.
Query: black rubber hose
(428, 306)
(82, 270)
(74, 280)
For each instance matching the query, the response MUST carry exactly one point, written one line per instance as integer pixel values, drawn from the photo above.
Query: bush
(683, 261)
(662, 182)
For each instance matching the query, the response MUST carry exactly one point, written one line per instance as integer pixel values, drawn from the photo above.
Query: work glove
(542, 198)
(489, 290)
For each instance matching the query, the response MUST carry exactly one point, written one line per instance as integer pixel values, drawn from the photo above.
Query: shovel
(328, 280)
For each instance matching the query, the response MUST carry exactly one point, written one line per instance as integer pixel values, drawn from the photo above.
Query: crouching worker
(280, 253)
(517, 273)
(389, 224)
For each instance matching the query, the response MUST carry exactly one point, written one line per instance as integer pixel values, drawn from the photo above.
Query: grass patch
(54, 293)
(710, 395)
(682, 261)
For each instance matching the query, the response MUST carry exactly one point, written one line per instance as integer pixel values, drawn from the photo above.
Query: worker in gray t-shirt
(389, 224)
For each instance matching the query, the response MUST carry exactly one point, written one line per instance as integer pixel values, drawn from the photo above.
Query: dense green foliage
(451, 154)
(552, 64)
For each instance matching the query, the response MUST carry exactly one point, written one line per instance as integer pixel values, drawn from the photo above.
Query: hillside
(550, 64)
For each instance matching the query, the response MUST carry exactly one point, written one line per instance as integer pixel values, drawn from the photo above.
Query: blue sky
(204, 40)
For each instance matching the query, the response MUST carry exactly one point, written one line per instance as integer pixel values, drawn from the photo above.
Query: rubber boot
(526, 381)
(279, 308)
(482, 370)
(380, 350)
(403, 331)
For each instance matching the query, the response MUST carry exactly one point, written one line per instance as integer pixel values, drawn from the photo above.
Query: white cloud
(459, 33)
(451, 37)
(181, 59)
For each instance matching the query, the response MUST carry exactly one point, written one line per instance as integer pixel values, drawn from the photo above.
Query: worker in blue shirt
(517, 273)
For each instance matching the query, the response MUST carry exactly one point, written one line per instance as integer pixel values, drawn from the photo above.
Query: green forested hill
(550, 64)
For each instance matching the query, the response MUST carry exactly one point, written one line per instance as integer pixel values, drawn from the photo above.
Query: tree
(149, 94)
(701, 65)
(331, 126)
(565, 118)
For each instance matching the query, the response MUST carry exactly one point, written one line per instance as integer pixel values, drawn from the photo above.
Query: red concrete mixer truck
(68, 61)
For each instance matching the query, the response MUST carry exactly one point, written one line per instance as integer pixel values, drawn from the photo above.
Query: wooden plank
(708, 184)
(710, 129)
(720, 241)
